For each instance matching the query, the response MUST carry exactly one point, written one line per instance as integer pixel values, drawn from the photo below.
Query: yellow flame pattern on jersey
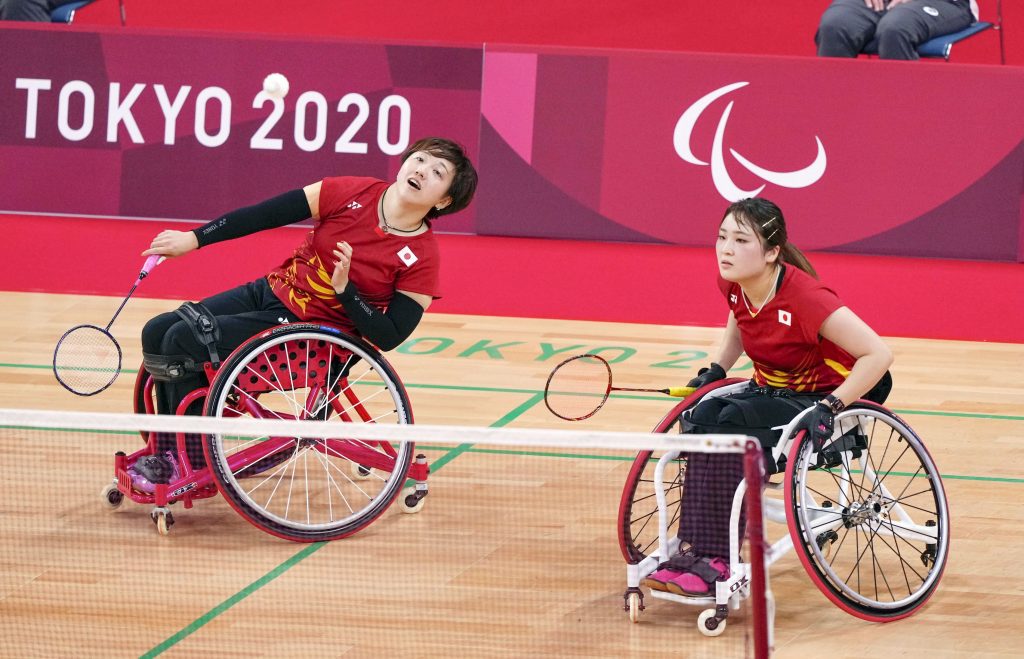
(804, 378)
(318, 282)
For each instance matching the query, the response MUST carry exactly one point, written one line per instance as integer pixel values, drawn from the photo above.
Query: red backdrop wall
(780, 27)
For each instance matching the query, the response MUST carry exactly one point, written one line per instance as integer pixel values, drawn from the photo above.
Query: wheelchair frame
(265, 377)
(864, 504)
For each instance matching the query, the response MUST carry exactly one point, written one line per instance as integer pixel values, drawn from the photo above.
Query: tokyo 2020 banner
(123, 123)
(862, 156)
(873, 157)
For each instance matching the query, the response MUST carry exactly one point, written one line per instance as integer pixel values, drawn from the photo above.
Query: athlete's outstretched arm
(288, 208)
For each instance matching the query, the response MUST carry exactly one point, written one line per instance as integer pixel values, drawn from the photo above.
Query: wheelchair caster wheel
(359, 472)
(928, 555)
(825, 541)
(112, 496)
(413, 500)
(709, 623)
(634, 605)
(163, 519)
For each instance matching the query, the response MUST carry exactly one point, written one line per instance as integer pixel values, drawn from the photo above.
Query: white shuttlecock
(275, 85)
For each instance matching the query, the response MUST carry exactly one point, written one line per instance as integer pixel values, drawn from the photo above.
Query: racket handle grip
(152, 262)
(681, 392)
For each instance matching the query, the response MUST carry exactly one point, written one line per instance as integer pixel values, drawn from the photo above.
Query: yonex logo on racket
(724, 184)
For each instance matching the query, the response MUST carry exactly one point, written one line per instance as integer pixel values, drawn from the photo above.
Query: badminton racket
(579, 387)
(87, 358)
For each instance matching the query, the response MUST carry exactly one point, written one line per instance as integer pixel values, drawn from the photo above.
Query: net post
(753, 471)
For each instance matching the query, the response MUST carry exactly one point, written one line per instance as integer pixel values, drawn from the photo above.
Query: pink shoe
(700, 578)
(658, 580)
(671, 569)
(149, 470)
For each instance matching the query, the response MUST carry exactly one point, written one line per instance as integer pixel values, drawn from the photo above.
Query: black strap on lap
(203, 325)
(170, 368)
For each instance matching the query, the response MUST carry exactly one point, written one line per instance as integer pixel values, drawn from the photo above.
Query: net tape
(418, 433)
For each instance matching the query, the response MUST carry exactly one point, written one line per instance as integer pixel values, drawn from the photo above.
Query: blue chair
(942, 46)
(66, 13)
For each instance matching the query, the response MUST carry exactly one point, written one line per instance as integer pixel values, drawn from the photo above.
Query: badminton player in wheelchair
(370, 267)
(808, 351)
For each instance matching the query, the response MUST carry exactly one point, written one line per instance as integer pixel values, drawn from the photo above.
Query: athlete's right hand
(172, 243)
(707, 375)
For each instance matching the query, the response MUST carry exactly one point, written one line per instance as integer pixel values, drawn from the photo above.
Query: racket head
(87, 360)
(578, 387)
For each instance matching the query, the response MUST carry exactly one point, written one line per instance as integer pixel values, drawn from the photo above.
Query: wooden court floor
(515, 553)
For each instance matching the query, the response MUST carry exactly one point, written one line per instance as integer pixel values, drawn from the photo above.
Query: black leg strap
(203, 325)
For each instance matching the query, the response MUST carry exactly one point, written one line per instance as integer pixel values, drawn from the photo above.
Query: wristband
(834, 403)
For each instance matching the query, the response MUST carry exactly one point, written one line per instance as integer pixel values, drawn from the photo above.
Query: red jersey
(782, 339)
(381, 262)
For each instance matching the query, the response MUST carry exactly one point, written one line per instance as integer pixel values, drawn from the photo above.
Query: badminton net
(521, 548)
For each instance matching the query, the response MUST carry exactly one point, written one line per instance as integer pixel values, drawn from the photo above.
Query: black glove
(707, 375)
(818, 423)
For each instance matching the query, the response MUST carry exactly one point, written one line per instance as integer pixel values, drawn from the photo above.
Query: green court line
(309, 550)
(535, 392)
(500, 423)
(301, 555)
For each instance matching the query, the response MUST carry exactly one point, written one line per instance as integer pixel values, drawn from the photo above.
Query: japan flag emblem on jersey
(408, 258)
(785, 318)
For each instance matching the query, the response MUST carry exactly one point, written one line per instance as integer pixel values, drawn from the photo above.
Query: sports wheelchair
(867, 515)
(298, 488)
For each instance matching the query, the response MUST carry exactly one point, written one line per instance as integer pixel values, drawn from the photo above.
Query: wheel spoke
(301, 487)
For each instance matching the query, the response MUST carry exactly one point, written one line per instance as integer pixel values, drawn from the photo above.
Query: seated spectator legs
(845, 28)
(906, 26)
(896, 27)
(29, 10)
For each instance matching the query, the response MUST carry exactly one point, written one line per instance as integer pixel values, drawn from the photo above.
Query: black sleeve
(282, 210)
(386, 330)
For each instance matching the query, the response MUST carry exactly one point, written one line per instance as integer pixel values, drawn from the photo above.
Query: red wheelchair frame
(260, 379)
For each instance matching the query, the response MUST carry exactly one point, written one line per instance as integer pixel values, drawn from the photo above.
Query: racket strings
(578, 387)
(87, 360)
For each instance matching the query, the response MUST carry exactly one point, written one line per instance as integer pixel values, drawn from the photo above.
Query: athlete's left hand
(819, 424)
(339, 278)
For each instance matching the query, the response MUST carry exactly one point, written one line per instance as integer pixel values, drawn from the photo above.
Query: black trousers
(848, 25)
(712, 478)
(241, 313)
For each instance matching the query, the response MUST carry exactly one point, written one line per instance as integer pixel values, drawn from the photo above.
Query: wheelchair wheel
(868, 515)
(303, 488)
(638, 507)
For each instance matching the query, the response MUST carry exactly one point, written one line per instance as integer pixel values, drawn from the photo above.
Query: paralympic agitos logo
(800, 178)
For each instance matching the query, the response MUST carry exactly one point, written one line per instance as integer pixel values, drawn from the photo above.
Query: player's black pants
(241, 313)
(848, 25)
(712, 478)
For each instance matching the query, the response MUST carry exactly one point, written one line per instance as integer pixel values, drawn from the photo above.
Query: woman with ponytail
(808, 349)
